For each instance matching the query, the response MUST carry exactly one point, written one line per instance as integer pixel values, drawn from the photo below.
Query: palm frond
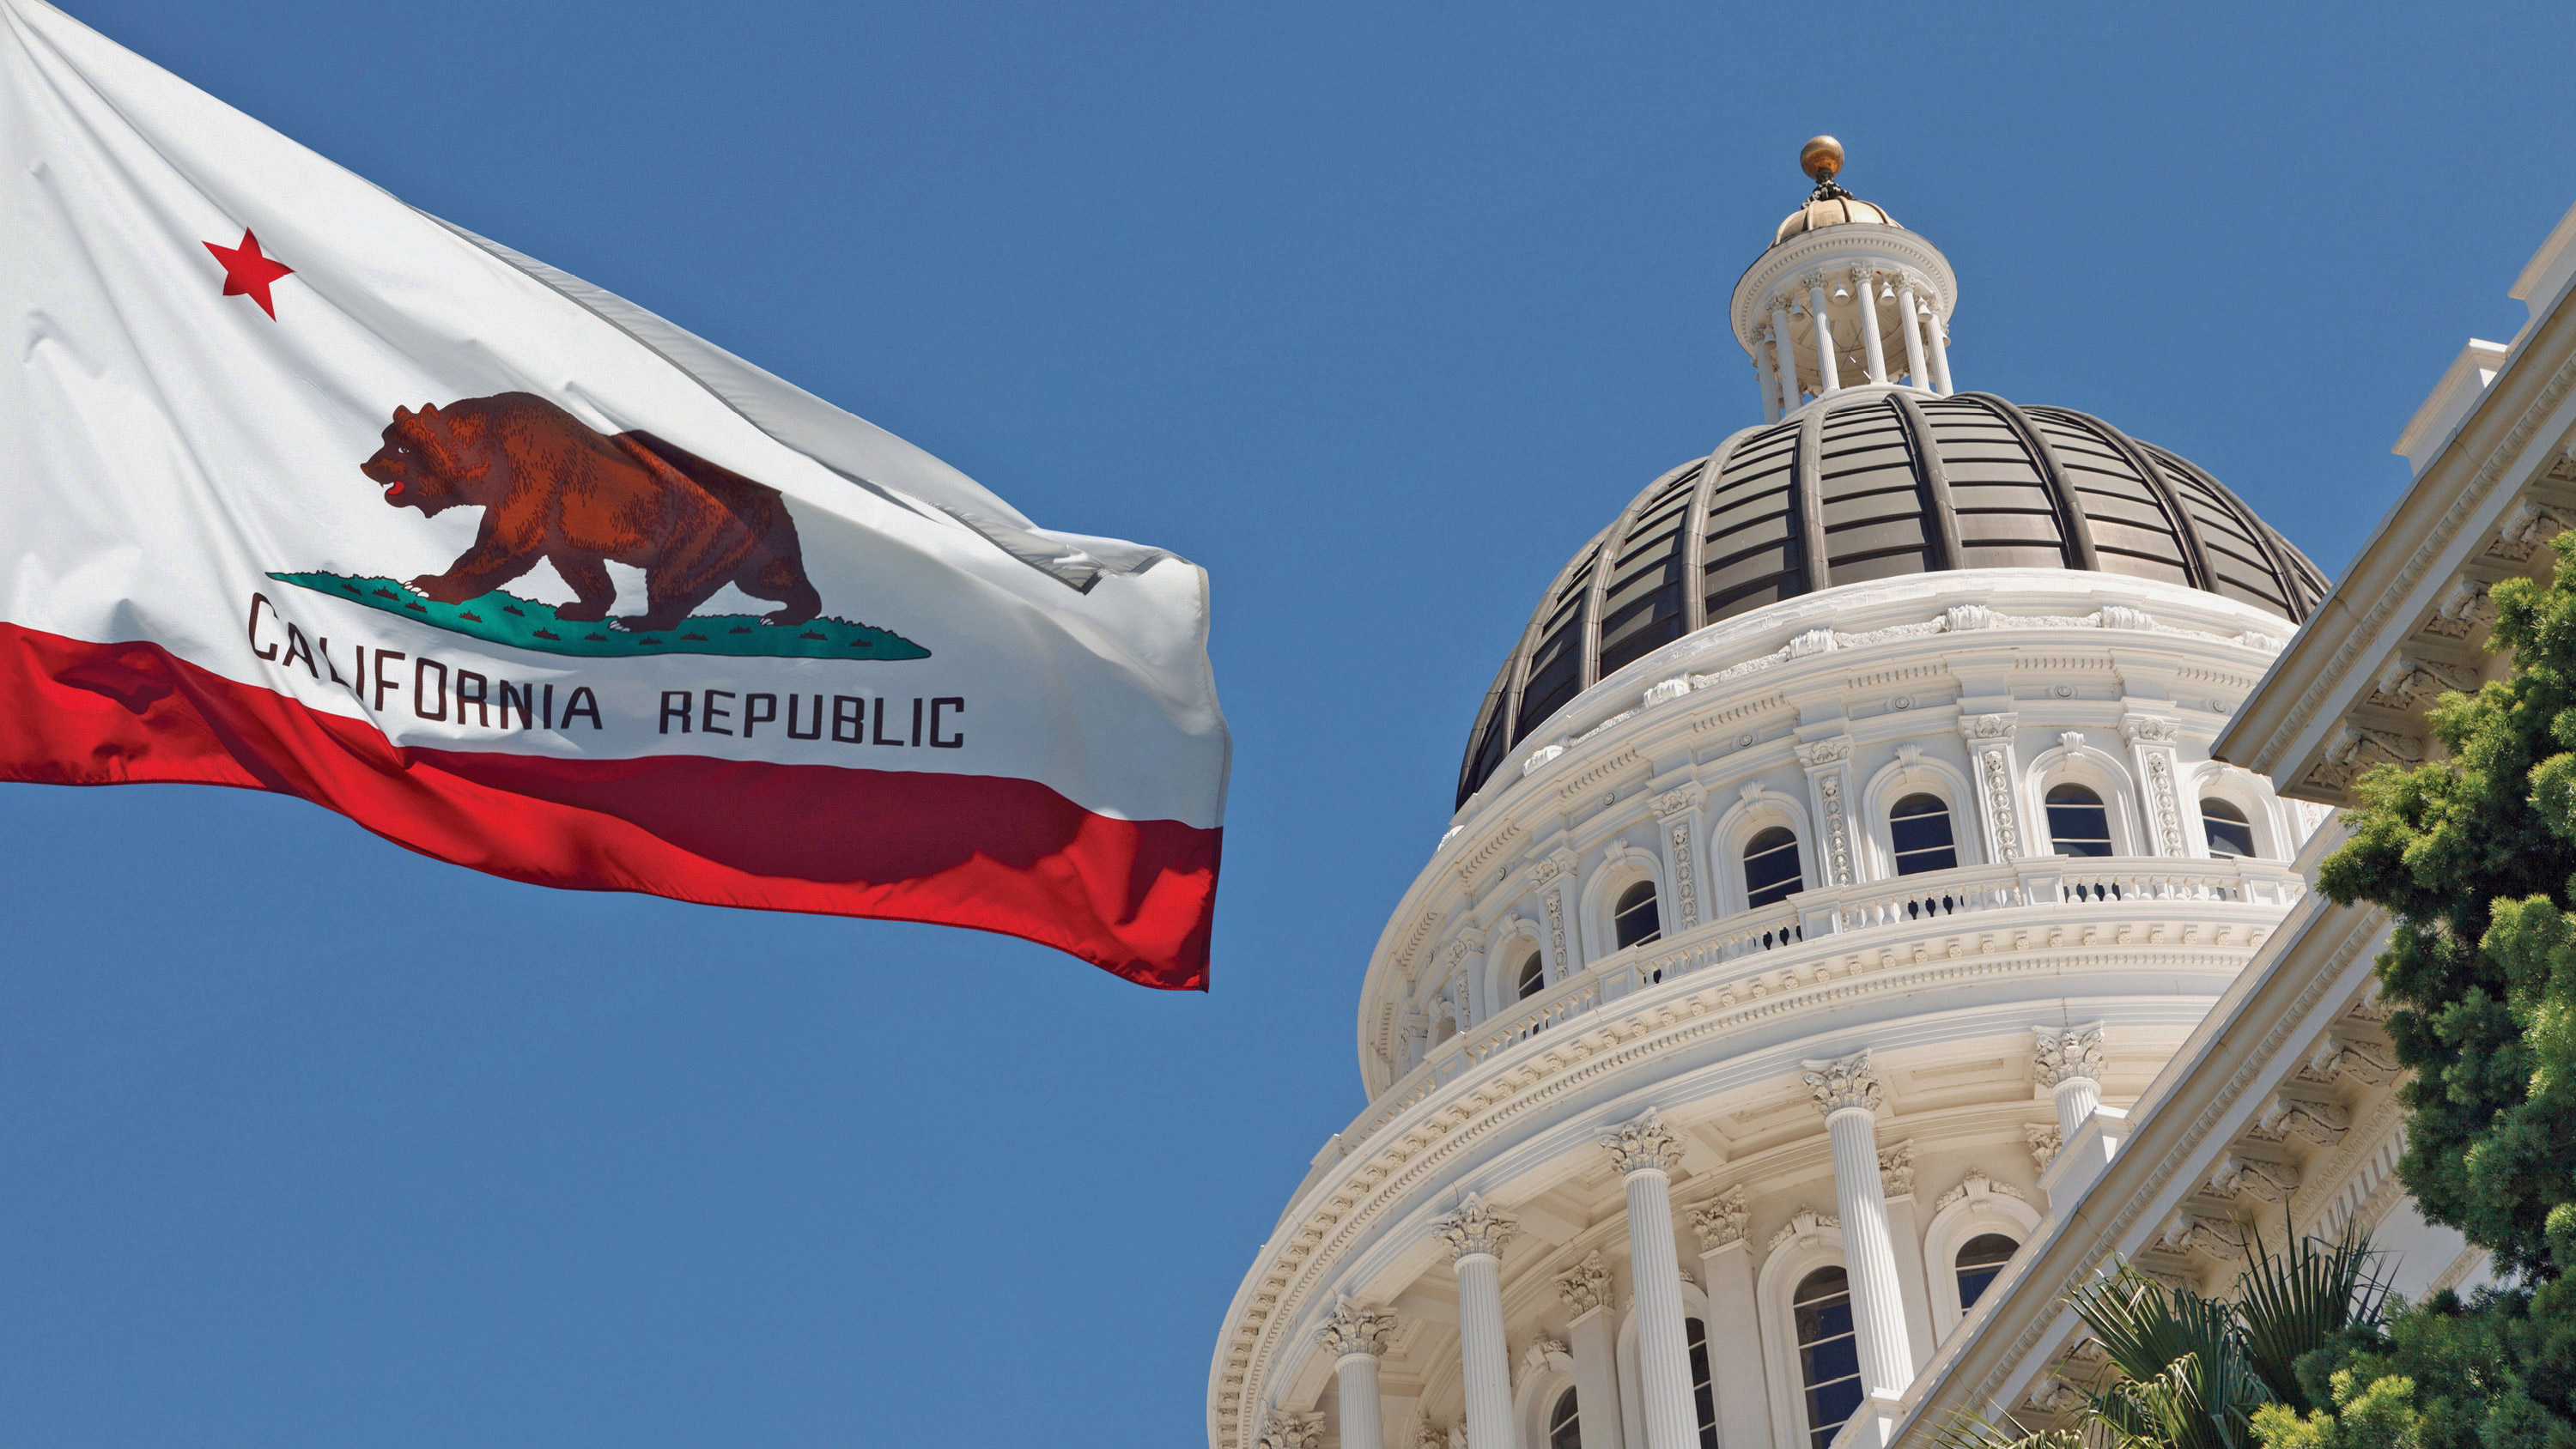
(2293, 1303)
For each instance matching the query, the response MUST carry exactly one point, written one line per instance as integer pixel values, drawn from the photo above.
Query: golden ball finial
(1821, 158)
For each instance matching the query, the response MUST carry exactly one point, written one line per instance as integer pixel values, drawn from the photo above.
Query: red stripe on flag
(1012, 856)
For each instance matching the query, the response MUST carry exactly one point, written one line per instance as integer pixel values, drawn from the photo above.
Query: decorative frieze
(1476, 1227)
(1975, 1187)
(1843, 1085)
(1721, 1220)
(2465, 610)
(1355, 1328)
(1806, 1225)
(2336, 1057)
(2237, 1175)
(2322, 1123)
(1645, 1145)
(1586, 1286)
(1896, 1169)
(2062, 1054)
(2217, 1237)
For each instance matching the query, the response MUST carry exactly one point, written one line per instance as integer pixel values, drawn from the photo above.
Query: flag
(305, 490)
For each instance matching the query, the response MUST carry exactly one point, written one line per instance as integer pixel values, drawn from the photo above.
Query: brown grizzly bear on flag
(554, 489)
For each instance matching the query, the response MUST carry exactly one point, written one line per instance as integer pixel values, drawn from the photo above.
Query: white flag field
(305, 490)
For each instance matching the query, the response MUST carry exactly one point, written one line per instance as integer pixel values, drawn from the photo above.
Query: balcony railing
(1852, 916)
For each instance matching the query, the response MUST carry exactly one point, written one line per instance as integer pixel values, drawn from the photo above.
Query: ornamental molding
(2261, 1179)
(1644, 1145)
(1586, 1286)
(1355, 1327)
(1476, 1227)
(1721, 1220)
(2044, 1142)
(1896, 1169)
(1832, 750)
(1285, 1429)
(1688, 795)
(1975, 1187)
(1844, 1084)
(1957, 617)
(2465, 610)
(2160, 791)
(2148, 729)
(1685, 873)
(2286, 1116)
(1829, 788)
(1979, 727)
(2217, 1237)
(1542, 1355)
(2339, 1056)
(2068, 1054)
(2364, 640)
(1806, 1225)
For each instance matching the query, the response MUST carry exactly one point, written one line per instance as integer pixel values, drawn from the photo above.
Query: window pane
(1919, 826)
(1565, 1424)
(2230, 833)
(1703, 1383)
(1771, 867)
(1533, 976)
(1637, 921)
(1980, 1262)
(2077, 822)
(1828, 1359)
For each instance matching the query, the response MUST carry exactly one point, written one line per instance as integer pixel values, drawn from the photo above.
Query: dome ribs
(1936, 481)
(2195, 551)
(2074, 526)
(1807, 490)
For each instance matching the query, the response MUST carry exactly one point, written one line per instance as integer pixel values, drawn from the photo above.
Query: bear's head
(423, 463)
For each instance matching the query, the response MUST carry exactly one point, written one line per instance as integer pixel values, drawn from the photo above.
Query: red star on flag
(247, 273)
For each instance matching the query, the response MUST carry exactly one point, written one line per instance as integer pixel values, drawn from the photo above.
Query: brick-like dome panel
(1864, 486)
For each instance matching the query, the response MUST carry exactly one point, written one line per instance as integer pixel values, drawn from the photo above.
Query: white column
(1590, 1339)
(1848, 1093)
(1940, 353)
(1828, 377)
(1356, 1337)
(1645, 1152)
(1896, 1183)
(1475, 1234)
(1865, 289)
(2068, 1061)
(1764, 377)
(1788, 359)
(1914, 369)
(1734, 1352)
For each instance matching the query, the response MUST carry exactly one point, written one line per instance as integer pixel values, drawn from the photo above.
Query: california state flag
(304, 490)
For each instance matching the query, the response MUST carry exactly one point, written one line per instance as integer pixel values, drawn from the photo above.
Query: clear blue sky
(1377, 312)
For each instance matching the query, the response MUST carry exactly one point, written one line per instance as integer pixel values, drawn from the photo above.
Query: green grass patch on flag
(501, 617)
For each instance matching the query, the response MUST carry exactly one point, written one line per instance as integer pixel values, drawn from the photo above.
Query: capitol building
(1878, 899)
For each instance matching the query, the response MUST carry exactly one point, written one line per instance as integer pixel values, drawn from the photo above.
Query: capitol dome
(1872, 483)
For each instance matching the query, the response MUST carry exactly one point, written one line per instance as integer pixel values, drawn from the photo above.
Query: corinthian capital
(1286, 1429)
(1837, 1085)
(1355, 1328)
(1476, 1227)
(1721, 1220)
(1586, 1287)
(2067, 1054)
(1645, 1145)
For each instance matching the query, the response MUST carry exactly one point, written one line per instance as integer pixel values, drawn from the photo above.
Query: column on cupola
(1475, 1234)
(1765, 377)
(2068, 1061)
(1591, 1340)
(1679, 821)
(1864, 281)
(1998, 773)
(1783, 341)
(2151, 752)
(1828, 763)
(1645, 1152)
(1937, 334)
(1915, 372)
(1828, 377)
(1847, 1091)
(1896, 1184)
(1356, 1337)
(1734, 1355)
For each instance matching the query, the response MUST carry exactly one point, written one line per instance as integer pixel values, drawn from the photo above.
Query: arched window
(2077, 821)
(1919, 827)
(1703, 1384)
(1533, 978)
(1636, 921)
(1771, 867)
(1828, 1358)
(2230, 833)
(1565, 1423)
(1980, 1260)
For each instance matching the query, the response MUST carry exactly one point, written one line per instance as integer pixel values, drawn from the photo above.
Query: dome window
(2229, 832)
(1703, 1383)
(1565, 1423)
(1636, 920)
(1533, 978)
(1828, 1357)
(2077, 823)
(1980, 1262)
(1919, 827)
(1771, 871)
